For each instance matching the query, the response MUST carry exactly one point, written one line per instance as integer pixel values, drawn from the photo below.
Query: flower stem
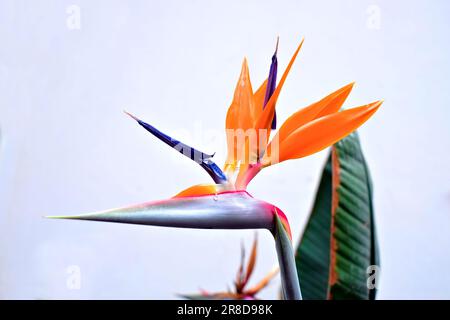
(288, 270)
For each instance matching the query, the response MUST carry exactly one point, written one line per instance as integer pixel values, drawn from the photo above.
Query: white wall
(67, 148)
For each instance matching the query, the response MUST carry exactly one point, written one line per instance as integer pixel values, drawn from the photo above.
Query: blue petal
(203, 159)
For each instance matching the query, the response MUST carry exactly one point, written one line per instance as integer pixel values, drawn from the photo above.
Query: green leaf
(339, 242)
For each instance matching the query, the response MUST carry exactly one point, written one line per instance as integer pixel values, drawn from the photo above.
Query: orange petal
(199, 190)
(239, 115)
(323, 132)
(258, 102)
(330, 104)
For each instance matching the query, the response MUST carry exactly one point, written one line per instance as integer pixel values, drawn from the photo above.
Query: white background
(67, 148)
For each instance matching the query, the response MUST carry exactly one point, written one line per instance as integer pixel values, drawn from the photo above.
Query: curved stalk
(288, 270)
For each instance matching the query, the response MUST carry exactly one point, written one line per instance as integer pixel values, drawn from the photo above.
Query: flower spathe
(224, 210)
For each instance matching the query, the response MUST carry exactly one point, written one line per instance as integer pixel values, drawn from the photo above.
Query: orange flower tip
(371, 108)
(350, 85)
(244, 63)
(301, 42)
(346, 89)
(132, 116)
(244, 71)
(375, 105)
(299, 47)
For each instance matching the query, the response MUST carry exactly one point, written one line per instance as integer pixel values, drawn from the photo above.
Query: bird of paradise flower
(225, 204)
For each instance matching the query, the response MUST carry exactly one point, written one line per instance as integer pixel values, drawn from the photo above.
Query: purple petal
(271, 84)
